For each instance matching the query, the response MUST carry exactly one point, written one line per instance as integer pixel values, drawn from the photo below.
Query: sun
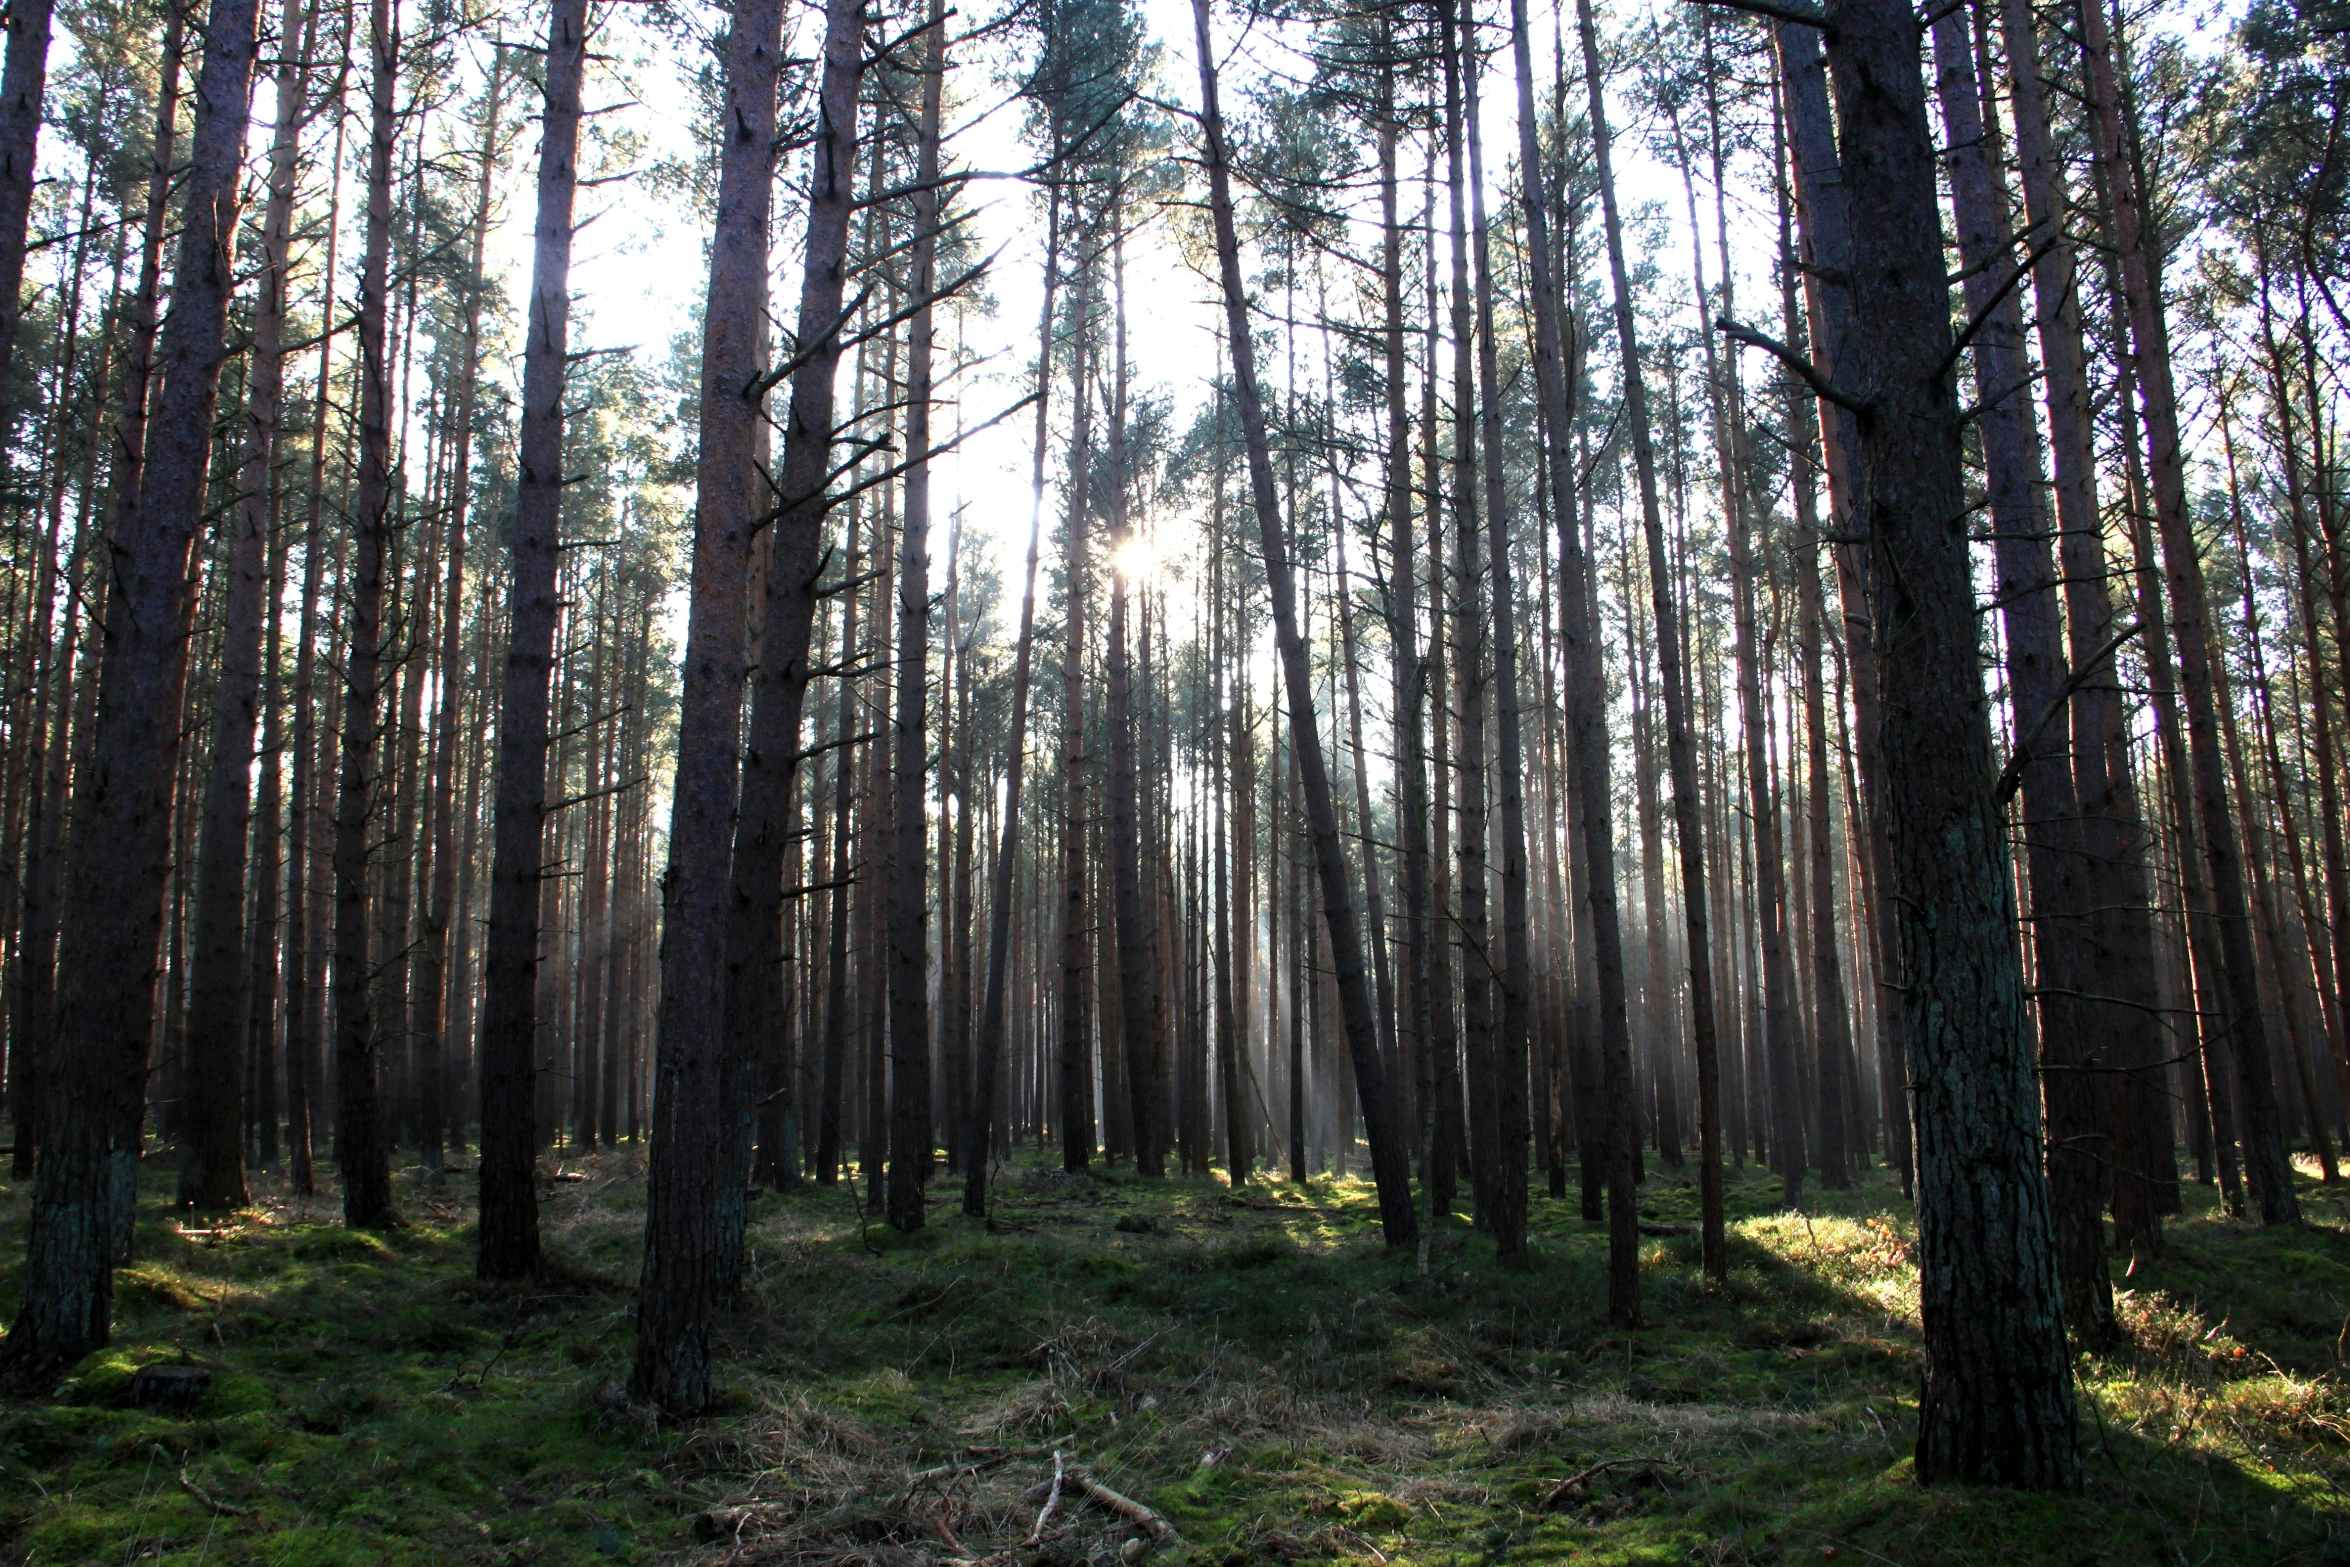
(1137, 560)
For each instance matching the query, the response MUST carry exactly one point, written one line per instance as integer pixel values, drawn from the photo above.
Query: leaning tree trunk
(1997, 1405)
(212, 1147)
(362, 1148)
(509, 1244)
(119, 860)
(1389, 1155)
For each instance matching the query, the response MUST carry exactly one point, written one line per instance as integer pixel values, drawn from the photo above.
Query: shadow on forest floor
(1252, 1364)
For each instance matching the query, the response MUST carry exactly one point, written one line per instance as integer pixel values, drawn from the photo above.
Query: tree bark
(1997, 1404)
(2120, 955)
(754, 931)
(2078, 1144)
(362, 1149)
(1388, 1154)
(978, 1143)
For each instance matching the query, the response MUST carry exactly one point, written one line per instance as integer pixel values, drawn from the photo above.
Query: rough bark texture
(1997, 1405)
(2119, 961)
(2078, 1150)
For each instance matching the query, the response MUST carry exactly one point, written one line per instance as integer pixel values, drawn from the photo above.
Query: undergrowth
(1251, 1365)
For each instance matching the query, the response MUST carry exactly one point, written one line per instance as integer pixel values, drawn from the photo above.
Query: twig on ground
(212, 1503)
(1558, 1493)
(1051, 1503)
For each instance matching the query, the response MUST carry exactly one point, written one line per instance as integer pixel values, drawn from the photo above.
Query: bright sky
(638, 272)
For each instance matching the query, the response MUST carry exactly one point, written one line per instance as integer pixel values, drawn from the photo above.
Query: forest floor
(1251, 1364)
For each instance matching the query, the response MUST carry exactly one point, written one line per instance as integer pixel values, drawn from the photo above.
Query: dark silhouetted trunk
(910, 1139)
(362, 1142)
(509, 1246)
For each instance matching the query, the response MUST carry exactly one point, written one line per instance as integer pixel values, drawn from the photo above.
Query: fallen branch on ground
(212, 1503)
(1558, 1493)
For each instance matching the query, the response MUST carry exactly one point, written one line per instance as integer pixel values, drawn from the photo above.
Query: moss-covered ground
(1252, 1364)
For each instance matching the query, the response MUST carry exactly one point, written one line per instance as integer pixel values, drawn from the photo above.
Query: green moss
(1254, 1363)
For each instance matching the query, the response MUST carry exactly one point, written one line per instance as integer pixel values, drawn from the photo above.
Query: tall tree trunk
(1680, 749)
(1997, 1404)
(1074, 1067)
(754, 927)
(1507, 1216)
(434, 999)
(509, 1246)
(693, 1227)
(1389, 1159)
(2119, 961)
(2036, 669)
(212, 1167)
(304, 907)
(1469, 612)
(1136, 964)
(1403, 631)
(119, 860)
(832, 1083)
(910, 1139)
(361, 1140)
(1820, 206)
